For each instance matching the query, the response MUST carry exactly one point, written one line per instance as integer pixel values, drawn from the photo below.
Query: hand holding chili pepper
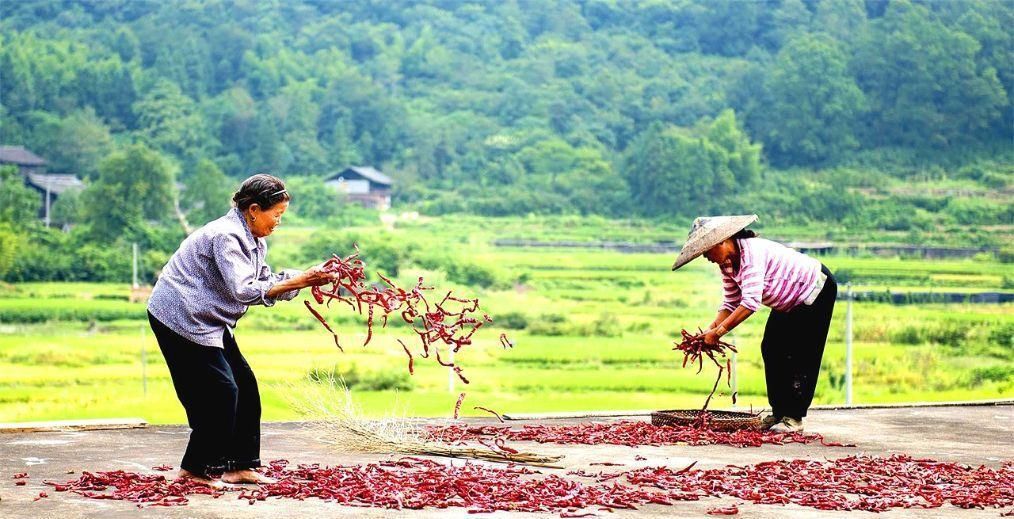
(710, 337)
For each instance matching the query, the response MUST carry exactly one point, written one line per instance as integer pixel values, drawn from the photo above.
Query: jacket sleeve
(239, 274)
(276, 277)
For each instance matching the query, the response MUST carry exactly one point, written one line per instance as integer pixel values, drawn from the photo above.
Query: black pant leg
(776, 353)
(813, 323)
(204, 385)
(246, 439)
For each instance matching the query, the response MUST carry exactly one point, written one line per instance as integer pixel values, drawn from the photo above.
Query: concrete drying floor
(973, 435)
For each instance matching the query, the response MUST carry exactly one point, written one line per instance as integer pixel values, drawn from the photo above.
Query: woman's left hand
(710, 337)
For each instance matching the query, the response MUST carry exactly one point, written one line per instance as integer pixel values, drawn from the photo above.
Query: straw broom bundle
(336, 420)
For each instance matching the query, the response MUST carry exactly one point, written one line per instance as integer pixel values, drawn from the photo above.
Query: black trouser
(792, 347)
(219, 393)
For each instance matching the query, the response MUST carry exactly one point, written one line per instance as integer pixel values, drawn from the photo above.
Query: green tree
(815, 104)
(669, 172)
(789, 18)
(922, 82)
(741, 157)
(171, 122)
(133, 186)
(11, 243)
(206, 194)
(314, 200)
(82, 142)
(674, 170)
(67, 209)
(19, 204)
(843, 20)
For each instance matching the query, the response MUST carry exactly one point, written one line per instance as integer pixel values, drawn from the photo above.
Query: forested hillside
(876, 114)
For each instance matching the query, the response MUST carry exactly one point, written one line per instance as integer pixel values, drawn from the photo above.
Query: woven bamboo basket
(718, 420)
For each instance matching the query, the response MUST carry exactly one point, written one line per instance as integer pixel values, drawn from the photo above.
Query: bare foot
(203, 480)
(246, 476)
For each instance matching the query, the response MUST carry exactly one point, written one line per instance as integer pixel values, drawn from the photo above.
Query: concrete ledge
(825, 407)
(959, 403)
(577, 414)
(73, 425)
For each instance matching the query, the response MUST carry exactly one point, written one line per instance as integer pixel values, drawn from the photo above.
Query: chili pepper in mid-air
(451, 322)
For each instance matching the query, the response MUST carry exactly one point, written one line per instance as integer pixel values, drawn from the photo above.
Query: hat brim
(695, 246)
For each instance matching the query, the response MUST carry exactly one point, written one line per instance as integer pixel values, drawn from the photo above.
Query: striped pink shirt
(770, 274)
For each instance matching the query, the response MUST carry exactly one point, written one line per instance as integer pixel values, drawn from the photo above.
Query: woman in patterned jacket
(207, 285)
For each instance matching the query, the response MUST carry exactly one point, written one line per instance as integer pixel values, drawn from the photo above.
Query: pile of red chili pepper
(852, 483)
(628, 433)
(435, 324)
(868, 483)
(143, 489)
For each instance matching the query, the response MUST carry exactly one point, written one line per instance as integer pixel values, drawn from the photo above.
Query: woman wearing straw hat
(800, 292)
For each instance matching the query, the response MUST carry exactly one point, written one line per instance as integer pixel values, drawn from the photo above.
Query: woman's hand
(710, 337)
(316, 276)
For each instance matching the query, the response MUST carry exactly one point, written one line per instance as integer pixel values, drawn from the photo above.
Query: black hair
(745, 233)
(261, 189)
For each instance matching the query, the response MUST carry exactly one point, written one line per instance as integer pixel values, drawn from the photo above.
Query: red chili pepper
(729, 510)
(490, 411)
(457, 370)
(411, 371)
(457, 405)
(853, 483)
(449, 322)
(324, 322)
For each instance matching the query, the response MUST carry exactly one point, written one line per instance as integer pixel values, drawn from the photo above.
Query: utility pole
(144, 366)
(47, 200)
(135, 285)
(848, 344)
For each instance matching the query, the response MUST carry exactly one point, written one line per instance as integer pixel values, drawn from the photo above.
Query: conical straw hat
(708, 231)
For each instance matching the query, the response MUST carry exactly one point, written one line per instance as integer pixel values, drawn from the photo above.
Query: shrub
(990, 374)
(512, 321)
(606, 325)
(379, 251)
(30, 312)
(460, 271)
(471, 274)
(908, 335)
(948, 333)
(1002, 335)
(969, 211)
(373, 381)
(549, 325)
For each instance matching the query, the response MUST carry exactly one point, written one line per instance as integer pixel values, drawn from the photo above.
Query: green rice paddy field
(593, 331)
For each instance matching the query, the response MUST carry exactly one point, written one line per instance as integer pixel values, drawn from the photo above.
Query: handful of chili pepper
(695, 349)
(451, 322)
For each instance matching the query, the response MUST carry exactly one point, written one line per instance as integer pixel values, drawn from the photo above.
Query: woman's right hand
(317, 275)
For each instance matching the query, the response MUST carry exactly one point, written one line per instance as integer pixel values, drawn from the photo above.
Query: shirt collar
(744, 254)
(248, 237)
